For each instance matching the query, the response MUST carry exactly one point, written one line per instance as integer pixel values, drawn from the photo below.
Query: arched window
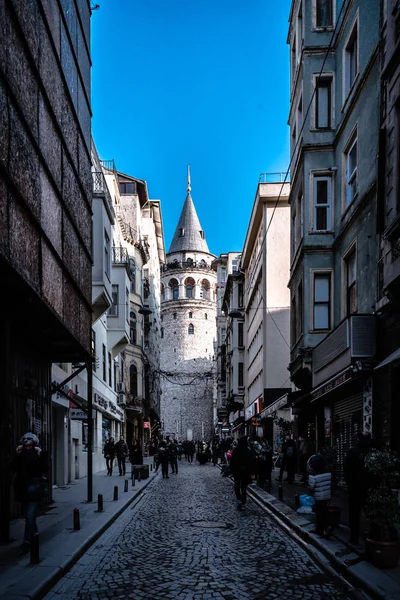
(189, 287)
(189, 262)
(133, 380)
(205, 289)
(191, 329)
(205, 316)
(174, 315)
(162, 332)
(189, 291)
(190, 315)
(174, 285)
(133, 327)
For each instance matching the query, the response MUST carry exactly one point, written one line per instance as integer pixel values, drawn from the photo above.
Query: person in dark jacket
(136, 454)
(357, 482)
(121, 450)
(109, 454)
(190, 450)
(266, 465)
(30, 464)
(163, 459)
(242, 467)
(289, 459)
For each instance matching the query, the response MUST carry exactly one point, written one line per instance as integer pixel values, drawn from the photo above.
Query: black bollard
(115, 492)
(133, 480)
(140, 475)
(35, 549)
(126, 485)
(100, 503)
(77, 520)
(280, 492)
(151, 466)
(297, 500)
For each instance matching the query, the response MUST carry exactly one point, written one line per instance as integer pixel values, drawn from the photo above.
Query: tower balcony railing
(278, 177)
(187, 264)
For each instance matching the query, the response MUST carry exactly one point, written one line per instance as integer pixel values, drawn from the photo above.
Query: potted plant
(382, 509)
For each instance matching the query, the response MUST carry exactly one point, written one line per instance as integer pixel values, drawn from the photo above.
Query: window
(175, 315)
(240, 335)
(115, 376)
(189, 291)
(350, 157)
(191, 329)
(223, 274)
(106, 254)
(181, 232)
(235, 266)
(240, 375)
(113, 310)
(104, 363)
(109, 370)
(324, 16)
(351, 60)
(162, 332)
(132, 273)
(133, 380)
(351, 283)
(127, 187)
(175, 292)
(240, 295)
(94, 363)
(202, 234)
(299, 307)
(323, 103)
(206, 316)
(190, 315)
(322, 302)
(322, 191)
(127, 304)
(133, 328)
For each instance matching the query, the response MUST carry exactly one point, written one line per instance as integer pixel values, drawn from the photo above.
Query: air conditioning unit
(121, 387)
(121, 400)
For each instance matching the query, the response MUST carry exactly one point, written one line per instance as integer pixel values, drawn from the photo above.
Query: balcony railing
(120, 255)
(100, 187)
(109, 165)
(186, 265)
(279, 177)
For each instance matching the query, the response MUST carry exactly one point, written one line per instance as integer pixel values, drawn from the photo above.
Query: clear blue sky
(204, 82)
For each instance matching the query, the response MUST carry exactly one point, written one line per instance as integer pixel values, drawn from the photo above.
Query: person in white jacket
(320, 483)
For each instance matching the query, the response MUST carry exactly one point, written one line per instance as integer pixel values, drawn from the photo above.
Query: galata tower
(188, 332)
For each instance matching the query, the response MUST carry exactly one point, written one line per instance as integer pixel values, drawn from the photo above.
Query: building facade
(334, 124)
(45, 213)
(266, 303)
(188, 332)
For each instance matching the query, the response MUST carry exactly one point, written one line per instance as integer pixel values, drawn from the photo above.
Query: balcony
(100, 188)
(278, 177)
(353, 339)
(186, 265)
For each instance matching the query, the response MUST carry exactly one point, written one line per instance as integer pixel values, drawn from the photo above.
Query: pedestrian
(163, 459)
(266, 465)
(109, 454)
(136, 454)
(215, 452)
(173, 456)
(121, 450)
(180, 450)
(288, 459)
(30, 464)
(190, 451)
(356, 478)
(320, 484)
(242, 467)
(303, 458)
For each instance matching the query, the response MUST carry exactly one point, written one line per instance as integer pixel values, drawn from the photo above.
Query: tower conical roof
(189, 234)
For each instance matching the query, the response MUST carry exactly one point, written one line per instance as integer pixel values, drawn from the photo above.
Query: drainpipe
(264, 293)
(90, 430)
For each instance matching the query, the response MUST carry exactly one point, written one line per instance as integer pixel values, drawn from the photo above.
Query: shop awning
(280, 403)
(389, 360)
(237, 428)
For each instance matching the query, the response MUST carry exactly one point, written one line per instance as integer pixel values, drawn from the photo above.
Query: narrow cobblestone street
(185, 540)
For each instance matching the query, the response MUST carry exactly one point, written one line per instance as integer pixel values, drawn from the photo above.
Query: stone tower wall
(187, 360)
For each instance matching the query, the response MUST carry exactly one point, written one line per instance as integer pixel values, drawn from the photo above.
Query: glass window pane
(323, 105)
(321, 289)
(351, 269)
(322, 191)
(322, 218)
(324, 13)
(352, 159)
(321, 316)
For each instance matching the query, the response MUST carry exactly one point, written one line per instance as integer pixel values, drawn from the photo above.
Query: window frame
(332, 15)
(113, 310)
(318, 176)
(319, 274)
(320, 81)
(352, 179)
(122, 186)
(191, 329)
(351, 51)
(349, 254)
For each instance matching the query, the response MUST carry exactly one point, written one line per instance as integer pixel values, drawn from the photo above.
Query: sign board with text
(146, 424)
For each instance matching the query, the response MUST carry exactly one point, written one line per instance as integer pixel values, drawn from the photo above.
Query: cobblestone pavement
(186, 540)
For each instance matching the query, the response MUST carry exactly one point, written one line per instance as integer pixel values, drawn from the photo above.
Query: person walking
(109, 454)
(163, 459)
(356, 478)
(173, 456)
(242, 467)
(304, 455)
(30, 464)
(121, 450)
(266, 465)
(288, 459)
(320, 484)
(190, 451)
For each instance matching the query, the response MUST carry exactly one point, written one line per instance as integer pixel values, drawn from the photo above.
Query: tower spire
(189, 187)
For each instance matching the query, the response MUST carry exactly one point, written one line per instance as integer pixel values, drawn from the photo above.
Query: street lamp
(235, 313)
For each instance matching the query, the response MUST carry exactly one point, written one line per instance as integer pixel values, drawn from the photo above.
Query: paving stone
(186, 540)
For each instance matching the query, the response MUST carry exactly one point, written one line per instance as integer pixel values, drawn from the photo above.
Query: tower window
(174, 315)
(182, 232)
(202, 234)
(191, 329)
(205, 316)
(190, 315)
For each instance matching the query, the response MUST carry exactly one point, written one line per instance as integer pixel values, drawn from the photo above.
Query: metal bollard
(280, 492)
(100, 503)
(140, 475)
(35, 549)
(133, 480)
(115, 492)
(77, 520)
(151, 466)
(126, 485)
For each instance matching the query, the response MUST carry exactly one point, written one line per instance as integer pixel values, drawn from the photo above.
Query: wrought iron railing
(100, 187)
(109, 164)
(186, 265)
(278, 177)
(120, 255)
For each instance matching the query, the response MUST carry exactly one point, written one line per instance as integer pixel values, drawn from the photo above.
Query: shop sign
(249, 412)
(146, 424)
(331, 385)
(76, 414)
